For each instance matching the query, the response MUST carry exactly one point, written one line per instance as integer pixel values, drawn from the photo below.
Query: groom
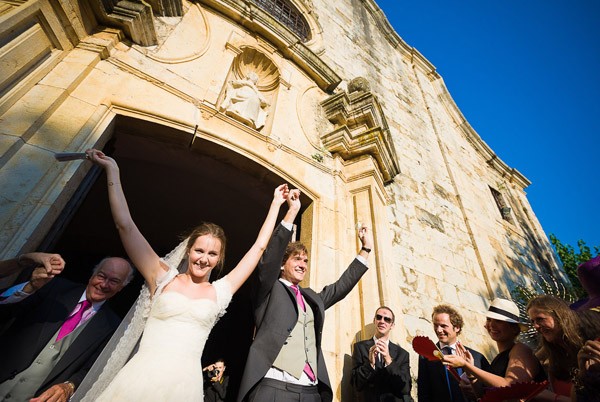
(285, 360)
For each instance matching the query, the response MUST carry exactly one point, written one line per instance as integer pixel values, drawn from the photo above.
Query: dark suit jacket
(37, 318)
(276, 313)
(389, 384)
(434, 383)
(216, 391)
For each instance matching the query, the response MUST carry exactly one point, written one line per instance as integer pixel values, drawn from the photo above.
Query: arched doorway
(171, 186)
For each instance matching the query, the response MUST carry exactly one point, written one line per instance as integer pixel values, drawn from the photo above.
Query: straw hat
(505, 310)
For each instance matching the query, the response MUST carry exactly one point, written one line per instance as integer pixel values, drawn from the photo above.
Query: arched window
(286, 13)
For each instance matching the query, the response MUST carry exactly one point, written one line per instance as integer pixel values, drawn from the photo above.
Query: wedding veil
(122, 344)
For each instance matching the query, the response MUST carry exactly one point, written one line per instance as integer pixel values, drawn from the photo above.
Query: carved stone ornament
(360, 128)
(135, 17)
(244, 102)
(252, 77)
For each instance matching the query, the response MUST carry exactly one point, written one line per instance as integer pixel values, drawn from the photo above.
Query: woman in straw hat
(515, 361)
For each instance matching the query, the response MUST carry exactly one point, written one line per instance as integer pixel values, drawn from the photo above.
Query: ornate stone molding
(134, 17)
(360, 128)
(166, 8)
(252, 17)
(250, 87)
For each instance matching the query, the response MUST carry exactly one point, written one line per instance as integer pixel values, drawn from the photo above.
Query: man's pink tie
(71, 323)
(299, 298)
(307, 369)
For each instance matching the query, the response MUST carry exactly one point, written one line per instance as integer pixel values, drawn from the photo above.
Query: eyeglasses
(380, 317)
(111, 281)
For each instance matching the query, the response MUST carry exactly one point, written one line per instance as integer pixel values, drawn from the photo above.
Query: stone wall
(357, 119)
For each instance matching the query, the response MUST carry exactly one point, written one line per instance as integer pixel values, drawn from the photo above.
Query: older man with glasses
(380, 368)
(59, 328)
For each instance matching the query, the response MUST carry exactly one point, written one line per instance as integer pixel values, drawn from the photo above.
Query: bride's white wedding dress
(167, 366)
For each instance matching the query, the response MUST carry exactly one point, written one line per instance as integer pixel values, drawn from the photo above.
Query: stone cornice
(247, 14)
(424, 65)
(493, 160)
(396, 41)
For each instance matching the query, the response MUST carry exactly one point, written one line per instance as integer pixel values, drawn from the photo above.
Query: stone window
(505, 210)
(286, 13)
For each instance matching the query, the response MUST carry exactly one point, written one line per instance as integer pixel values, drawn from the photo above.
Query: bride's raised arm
(247, 264)
(139, 251)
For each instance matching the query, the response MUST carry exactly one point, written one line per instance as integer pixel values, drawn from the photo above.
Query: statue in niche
(244, 102)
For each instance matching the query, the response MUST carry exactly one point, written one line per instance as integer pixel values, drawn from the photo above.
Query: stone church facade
(208, 105)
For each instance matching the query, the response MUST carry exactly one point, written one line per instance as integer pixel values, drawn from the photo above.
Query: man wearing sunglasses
(380, 368)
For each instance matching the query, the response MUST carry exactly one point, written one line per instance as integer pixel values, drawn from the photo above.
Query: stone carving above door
(250, 88)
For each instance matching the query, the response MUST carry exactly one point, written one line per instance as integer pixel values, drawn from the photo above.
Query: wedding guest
(216, 382)
(60, 328)
(435, 383)
(589, 277)
(560, 340)
(380, 368)
(515, 361)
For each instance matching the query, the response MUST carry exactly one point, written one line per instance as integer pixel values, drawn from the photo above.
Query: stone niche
(360, 128)
(250, 90)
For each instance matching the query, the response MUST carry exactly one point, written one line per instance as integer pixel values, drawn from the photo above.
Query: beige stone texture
(390, 150)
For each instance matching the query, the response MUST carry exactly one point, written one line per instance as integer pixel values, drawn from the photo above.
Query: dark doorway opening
(170, 188)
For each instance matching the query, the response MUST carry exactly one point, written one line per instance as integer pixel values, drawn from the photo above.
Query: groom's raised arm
(270, 263)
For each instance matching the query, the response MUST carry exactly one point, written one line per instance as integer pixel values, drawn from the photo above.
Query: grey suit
(276, 313)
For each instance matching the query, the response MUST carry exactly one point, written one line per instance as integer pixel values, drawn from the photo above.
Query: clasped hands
(47, 267)
(380, 348)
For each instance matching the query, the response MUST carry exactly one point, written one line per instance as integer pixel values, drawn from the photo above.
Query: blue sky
(526, 76)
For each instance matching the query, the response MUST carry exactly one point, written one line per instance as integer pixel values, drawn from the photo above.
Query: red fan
(521, 390)
(426, 348)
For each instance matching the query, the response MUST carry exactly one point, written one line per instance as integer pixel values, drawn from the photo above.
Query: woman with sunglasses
(515, 361)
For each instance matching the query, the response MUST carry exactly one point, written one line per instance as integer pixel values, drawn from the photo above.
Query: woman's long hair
(559, 357)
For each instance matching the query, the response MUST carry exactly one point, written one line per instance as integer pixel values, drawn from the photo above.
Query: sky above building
(526, 76)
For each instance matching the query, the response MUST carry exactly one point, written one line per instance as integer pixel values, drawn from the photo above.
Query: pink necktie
(307, 369)
(71, 323)
(299, 298)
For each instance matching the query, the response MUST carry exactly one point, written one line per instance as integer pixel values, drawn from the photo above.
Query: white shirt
(387, 343)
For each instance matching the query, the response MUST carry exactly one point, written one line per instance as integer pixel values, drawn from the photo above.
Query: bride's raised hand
(99, 158)
(281, 194)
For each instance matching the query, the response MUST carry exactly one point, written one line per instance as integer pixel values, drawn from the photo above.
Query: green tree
(571, 259)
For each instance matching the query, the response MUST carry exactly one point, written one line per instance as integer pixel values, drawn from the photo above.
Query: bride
(184, 307)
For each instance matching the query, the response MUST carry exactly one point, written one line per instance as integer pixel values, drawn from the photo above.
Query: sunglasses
(379, 317)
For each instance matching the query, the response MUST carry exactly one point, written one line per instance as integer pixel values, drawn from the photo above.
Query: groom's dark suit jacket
(435, 383)
(38, 318)
(276, 313)
(389, 384)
